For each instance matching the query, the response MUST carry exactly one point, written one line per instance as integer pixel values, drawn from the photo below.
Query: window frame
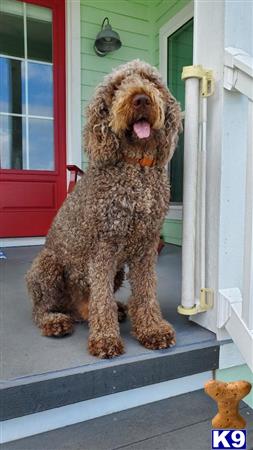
(59, 87)
(176, 22)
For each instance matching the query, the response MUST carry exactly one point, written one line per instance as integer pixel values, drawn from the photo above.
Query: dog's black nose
(140, 100)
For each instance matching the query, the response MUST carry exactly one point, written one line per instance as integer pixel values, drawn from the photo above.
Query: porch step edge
(51, 419)
(24, 397)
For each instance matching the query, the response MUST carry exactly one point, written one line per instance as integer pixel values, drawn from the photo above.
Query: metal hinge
(205, 303)
(204, 75)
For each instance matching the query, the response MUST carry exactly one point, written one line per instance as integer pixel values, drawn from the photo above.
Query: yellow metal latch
(205, 303)
(204, 75)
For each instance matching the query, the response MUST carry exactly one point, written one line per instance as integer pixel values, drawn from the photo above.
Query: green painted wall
(238, 373)
(172, 231)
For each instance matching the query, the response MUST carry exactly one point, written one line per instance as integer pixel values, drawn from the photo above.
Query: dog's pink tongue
(142, 129)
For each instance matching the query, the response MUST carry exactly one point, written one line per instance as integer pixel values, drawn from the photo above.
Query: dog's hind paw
(105, 347)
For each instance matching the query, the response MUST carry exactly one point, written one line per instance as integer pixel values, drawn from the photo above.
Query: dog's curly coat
(112, 218)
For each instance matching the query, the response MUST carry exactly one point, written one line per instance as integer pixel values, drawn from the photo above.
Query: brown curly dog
(113, 218)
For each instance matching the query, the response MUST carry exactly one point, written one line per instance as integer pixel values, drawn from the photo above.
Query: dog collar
(144, 162)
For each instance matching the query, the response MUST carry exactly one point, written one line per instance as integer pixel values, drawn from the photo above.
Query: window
(26, 87)
(180, 54)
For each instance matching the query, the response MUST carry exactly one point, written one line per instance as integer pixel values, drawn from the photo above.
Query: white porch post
(209, 53)
(190, 191)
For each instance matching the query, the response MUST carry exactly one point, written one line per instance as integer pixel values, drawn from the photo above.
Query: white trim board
(175, 212)
(13, 429)
(21, 242)
(177, 21)
(73, 83)
(185, 14)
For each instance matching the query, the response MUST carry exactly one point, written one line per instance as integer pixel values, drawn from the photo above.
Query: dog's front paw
(56, 324)
(105, 347)
(157, 337)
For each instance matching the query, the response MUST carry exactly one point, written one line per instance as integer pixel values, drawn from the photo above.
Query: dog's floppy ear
(172, 128)
(100, 142)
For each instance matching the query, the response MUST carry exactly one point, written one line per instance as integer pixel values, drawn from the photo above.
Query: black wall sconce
(107, 40)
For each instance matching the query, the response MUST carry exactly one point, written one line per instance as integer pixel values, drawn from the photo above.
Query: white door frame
(176, 22)
(73, 82)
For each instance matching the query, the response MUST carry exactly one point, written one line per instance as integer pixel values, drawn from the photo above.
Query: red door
(32, 115)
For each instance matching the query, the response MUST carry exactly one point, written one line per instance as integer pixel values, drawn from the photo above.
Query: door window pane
(180, 51)
(180, 54)
(12, 86)
(177, 172)
(26, 87)
(41, 144)
(40, 89)
(11, 28)
(12, 142)
(39, 33)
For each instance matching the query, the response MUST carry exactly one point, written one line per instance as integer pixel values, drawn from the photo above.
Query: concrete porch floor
(26, 352)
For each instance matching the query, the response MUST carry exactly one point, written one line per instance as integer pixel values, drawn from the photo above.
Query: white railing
(235, 305)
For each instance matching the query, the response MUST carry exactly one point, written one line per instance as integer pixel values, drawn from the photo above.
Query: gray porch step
(39, 393)
(177, 423)
(41, 373)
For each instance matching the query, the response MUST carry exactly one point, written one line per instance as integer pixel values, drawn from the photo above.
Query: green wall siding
(172, 231)
(238, 373)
